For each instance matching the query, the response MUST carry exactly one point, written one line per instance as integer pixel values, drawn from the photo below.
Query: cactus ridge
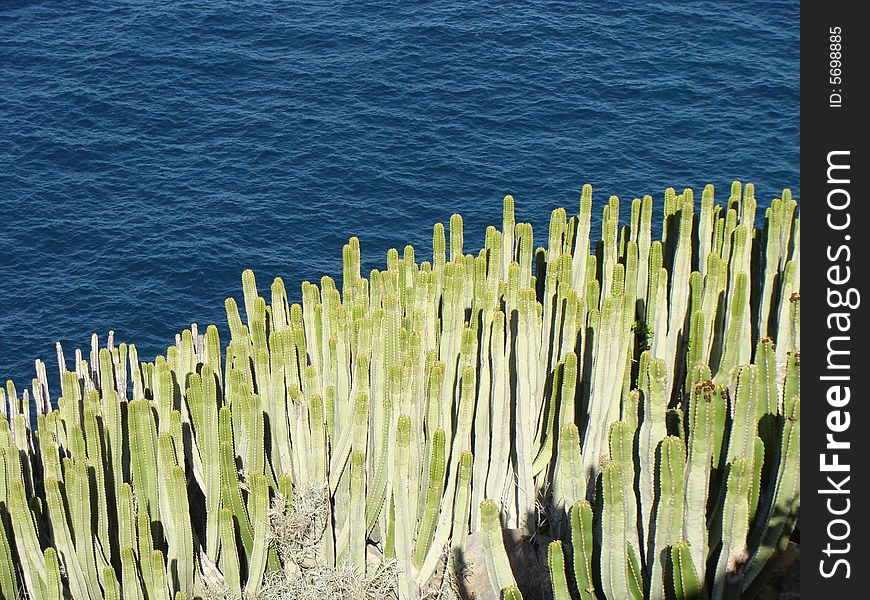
(638, 393)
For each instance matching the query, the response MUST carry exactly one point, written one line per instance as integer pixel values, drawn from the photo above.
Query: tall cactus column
(637, 399)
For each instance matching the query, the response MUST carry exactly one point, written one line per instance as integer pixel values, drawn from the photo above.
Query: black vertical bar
(836, 262)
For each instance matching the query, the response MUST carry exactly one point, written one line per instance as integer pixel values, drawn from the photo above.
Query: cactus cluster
(639, 396)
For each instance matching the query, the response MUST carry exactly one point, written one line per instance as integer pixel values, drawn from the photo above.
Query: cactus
(569, 485)
(145, 548)
(652, 431)
(259, 502)
(735, 526)
(497, 564)
(231, 495)
(110, 584)
(699, 465)
(26, 539)
(63, 539)
(426, 528)
(159, 588)
(582, 545)
(684, 583)
(53, 589)
(614, 570)
(669, 509)
(229, 556)
(180, 532)
(779, 513)
(130, 586)
(657, 380)
(462, 506)
(356, 517)
(8, 580)
(556, 564)
(403, 507)
(511, 593)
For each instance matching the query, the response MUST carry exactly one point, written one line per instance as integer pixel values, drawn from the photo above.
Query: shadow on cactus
(619, 418)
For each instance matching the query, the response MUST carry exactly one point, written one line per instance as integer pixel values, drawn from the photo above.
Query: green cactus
(53, 589)
(683, 577)
(110, 584)
(460, 446)
(230, 493)
(500, 449)
(569, 485)
(130, 586)
(160, 588)
(229, 556)
(511, 593)
(634, 574)
(356, 517)
(8, 580)
(669, 511)
(259, 510)
(621, 442)
(614, 570)
(429, 516)
(208, 440)
(145, 549)
(419, 391)
(403, 507)
(462, 503)
(779, 513)
(735, 526)
(497, 564)
(652, 431)
(63, 539)
(26, 539)
(582, 548)
(556, 564)
(698, 468)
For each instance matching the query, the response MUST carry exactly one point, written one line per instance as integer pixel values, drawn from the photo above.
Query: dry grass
(343, 582)
(296, 528)
(449, 587)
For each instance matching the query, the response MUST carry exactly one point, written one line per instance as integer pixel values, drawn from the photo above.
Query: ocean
(151, 151)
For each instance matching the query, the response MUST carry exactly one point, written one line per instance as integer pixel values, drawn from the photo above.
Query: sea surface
(151, 151)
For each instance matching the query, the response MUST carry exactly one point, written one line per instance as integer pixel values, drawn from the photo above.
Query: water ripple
(152, 151)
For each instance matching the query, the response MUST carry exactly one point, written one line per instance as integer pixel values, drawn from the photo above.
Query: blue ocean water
(151, 151)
